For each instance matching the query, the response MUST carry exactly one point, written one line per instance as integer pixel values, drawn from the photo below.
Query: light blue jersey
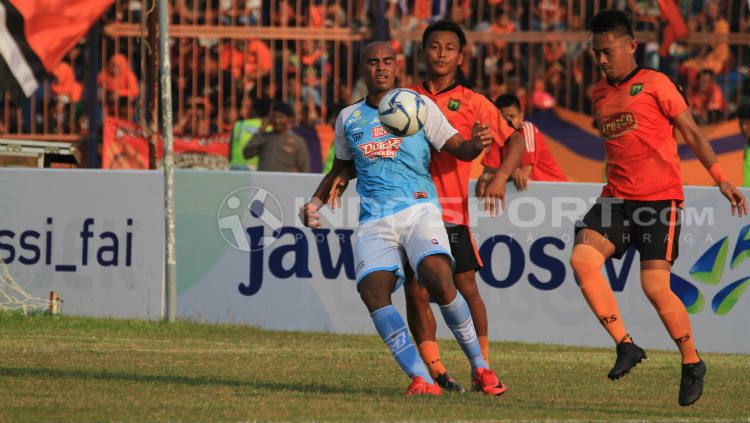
(393, 173)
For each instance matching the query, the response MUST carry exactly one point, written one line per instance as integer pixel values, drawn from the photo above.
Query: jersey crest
(635, 89)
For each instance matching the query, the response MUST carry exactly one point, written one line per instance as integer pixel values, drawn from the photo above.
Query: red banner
(125, 146)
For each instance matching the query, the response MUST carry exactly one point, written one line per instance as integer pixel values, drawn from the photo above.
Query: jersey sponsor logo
(378, 131)
(385, 149)
(454, 105)
(618, 124)
(635, 89)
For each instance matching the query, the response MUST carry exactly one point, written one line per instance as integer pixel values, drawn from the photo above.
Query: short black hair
(507, 100)
(283, 108)
(615, 21)
(445, 25)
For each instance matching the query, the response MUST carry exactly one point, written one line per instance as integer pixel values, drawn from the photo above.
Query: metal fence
(231, 58)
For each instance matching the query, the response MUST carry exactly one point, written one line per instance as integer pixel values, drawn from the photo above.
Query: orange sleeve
(489, 115)
(670, 96)
(493, 157)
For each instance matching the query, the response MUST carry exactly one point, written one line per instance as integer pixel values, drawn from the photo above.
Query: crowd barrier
(243, 256)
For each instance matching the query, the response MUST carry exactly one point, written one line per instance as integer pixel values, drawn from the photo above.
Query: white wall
(227, 276)
(113, 268)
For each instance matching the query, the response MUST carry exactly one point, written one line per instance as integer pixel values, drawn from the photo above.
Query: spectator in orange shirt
(252, 62)
(501, 25)
(118, 79)
(120, 87)
(706, 99)
(67, 96)
(65, 87)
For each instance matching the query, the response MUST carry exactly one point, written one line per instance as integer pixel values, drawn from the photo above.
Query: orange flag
(36, 34)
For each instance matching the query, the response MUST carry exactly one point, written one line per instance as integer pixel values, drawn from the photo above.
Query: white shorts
(411, 234)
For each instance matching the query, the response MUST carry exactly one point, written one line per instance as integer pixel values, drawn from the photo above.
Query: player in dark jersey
(636, 110)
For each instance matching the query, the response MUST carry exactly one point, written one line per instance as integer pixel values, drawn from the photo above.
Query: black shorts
(652, 227)
(463, 249)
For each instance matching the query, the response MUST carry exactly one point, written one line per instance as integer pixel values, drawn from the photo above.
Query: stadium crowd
(219, 83)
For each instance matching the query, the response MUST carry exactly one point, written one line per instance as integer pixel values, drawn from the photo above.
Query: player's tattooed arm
(468, 150)
(309, 213)
(702, 149)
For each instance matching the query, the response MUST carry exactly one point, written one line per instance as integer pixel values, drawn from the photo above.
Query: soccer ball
(402, 112)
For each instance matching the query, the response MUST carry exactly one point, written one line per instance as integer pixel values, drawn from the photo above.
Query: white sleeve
(529, 136)
(342, 148)
(437, 129)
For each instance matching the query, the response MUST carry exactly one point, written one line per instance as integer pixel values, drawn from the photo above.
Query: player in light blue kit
(400, 222)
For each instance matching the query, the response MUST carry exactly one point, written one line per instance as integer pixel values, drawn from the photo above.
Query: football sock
(458, 318)
(484, 345)
(655, 283)
(430, 353)
(587, 263)
(392, 329)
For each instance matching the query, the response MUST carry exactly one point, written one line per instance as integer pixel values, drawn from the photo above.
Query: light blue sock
(392, 329)
(458, 318)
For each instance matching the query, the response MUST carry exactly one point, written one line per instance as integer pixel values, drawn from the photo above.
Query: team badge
(453, 105)
(635, 89)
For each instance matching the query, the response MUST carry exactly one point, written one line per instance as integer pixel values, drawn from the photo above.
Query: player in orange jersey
(636, 110)
(442, 45)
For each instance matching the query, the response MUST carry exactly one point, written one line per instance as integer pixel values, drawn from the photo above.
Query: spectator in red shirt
(537, 163)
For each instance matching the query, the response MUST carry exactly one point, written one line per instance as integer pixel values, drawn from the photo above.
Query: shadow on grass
(181, 380)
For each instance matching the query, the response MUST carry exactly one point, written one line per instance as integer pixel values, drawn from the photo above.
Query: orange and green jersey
(462, 107)
(634, 118)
